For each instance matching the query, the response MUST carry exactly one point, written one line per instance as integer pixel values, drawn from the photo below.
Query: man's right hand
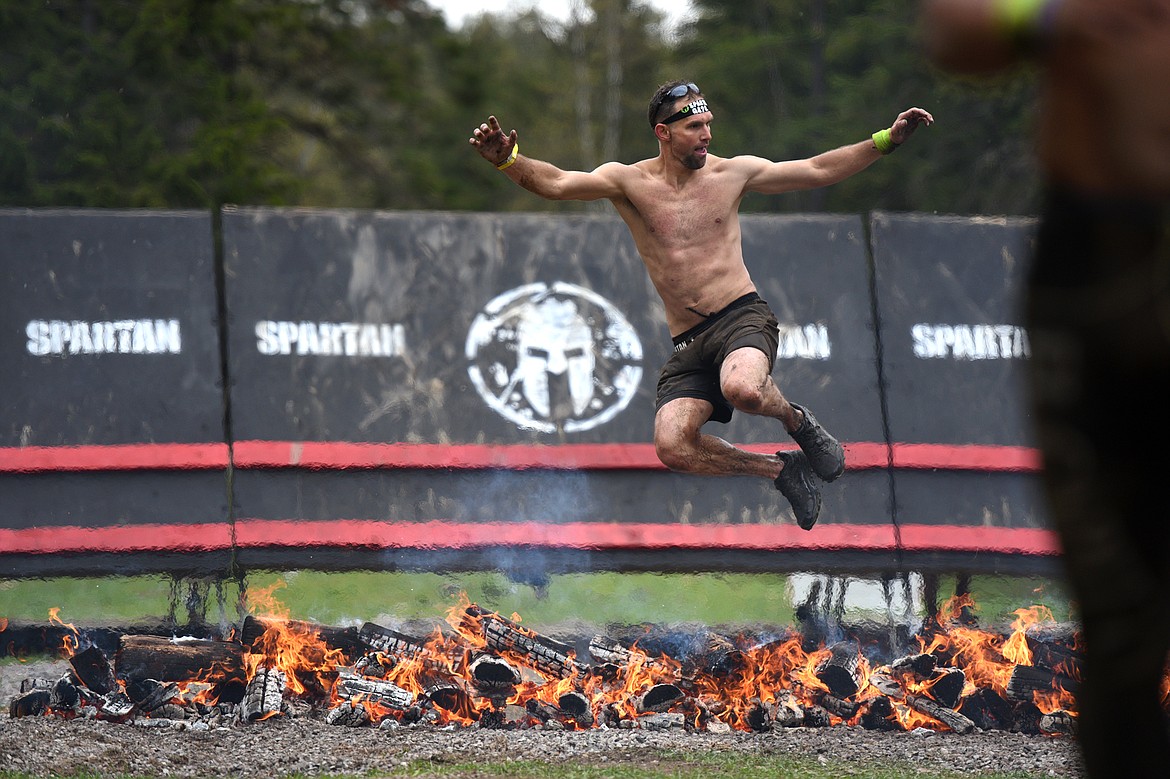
(491, 142)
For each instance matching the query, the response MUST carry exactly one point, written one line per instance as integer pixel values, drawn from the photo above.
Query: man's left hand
(907, 122)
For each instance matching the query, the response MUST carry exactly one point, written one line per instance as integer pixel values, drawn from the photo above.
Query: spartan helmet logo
(552, 358)
(554, 340)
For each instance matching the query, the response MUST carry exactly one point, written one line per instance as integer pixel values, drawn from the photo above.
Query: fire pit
(484, 670)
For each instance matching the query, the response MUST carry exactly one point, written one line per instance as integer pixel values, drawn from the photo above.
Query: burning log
(987, 709)
(345, 640)
(264, 695)
(946, 686)
(151, 657)
(576, 707)
(839, 707)
(92, 668)
(659, 698)
(878, 714)
(31, 703)
(116, 706)
(1059, 722)
(349, 715)
(350, 686)
(543, 654)
(841, 670)
(1027, 680)
(1051, 651)
(788, 713)
(493, 677)
(390, 642)
(607, 650)
(922, 666)
(150, 694)
(717, 656)
(932, 708)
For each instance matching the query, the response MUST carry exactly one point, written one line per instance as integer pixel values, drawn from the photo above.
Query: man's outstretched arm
(539, 177)
(773, 178)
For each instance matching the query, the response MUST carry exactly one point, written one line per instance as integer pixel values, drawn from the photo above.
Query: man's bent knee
(745, 396)
(674, 452)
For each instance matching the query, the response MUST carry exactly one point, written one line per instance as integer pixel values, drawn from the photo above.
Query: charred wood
(1059, 722)
(922, 666)
(492, 672)
(715, 656)
(664, 721)
(935, 710)
(390, 642)
(1028, 679)
(841, 671)
(884, 682)
(349, 715)
(1025, 718)
(92, 668)
(380, 692)
(149, 694)
(839, 707)
(659, 698)
(33, 703)
(987, 709)
(151, 657)
(506, 637)
(264, 695)
(788, 711)
(878, 714)
(345, 640)
(115, 706)
(946, 686)
(761, 716)
(817, 717)
(576, 708)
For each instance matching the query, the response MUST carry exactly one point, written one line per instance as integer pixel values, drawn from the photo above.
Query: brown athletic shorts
(693, 370)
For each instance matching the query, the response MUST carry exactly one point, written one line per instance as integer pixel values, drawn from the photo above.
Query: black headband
(697, 107)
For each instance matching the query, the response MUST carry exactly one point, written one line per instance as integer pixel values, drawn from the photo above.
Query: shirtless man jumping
(682, 208)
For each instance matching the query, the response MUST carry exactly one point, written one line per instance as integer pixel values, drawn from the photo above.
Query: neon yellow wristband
(884, 141)
(511, 157)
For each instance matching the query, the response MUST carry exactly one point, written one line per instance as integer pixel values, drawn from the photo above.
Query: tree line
(369, 103)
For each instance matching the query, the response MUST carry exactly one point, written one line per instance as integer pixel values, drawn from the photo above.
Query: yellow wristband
(883, 141)
(511, 157)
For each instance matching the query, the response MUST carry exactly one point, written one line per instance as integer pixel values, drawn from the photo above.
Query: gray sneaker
(825, 454)
(796, 483)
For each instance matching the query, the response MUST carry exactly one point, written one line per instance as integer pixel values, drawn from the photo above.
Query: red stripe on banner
(858, 456)
(977, 458)
(199, 537)
(571, 535)
(337, 455)
(117, 457)
(597, 536)
(957, 538)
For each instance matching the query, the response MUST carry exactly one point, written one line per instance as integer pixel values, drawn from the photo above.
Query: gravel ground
(47, 746)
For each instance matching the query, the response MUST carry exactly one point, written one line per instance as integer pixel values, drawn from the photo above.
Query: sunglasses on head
(677, 92)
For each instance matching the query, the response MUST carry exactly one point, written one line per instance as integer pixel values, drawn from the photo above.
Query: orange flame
(70, 642)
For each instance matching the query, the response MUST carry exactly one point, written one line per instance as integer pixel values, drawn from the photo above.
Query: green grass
(599, 598)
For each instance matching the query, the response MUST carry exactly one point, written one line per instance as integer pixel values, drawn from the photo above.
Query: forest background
(370, 103)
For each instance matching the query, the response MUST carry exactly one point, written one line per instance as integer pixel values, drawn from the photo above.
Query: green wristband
(884, 141)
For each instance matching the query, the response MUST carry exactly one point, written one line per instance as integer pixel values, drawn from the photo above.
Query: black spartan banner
(435, 390)
(112, 440)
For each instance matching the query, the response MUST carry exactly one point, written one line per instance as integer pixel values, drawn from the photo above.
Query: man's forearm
(841, 163)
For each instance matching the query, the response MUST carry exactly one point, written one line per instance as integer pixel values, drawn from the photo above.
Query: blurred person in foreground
(1098, 310)
(682, 209)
